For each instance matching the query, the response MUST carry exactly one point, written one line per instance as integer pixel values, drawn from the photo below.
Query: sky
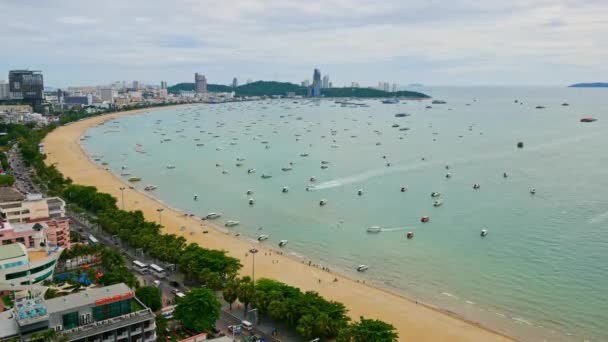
(433, 42)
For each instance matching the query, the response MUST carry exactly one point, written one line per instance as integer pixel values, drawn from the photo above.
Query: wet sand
(414, 321)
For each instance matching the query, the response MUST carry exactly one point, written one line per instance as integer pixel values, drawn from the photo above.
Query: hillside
(267, 88)
(590, 85)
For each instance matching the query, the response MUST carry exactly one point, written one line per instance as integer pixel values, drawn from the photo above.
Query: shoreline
(414, 320)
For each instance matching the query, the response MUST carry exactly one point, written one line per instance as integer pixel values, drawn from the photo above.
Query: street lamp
(160, 217)
(122, 191)
(253, 251)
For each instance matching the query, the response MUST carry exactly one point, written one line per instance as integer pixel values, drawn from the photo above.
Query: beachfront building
(54, 232)
(200, 83)
(33, 208)
(110, 313)
(316, 83)
(26, 266)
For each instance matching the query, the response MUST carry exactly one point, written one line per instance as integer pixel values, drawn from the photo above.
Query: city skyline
(535, 42)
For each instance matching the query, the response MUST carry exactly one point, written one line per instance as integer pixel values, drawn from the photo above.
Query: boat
(134, 179)
(403, 189)
(476, 186)
(520, 144)
(425, 219)
(231, 223)
(401, 115)
(374, 229)
(199, 145)
(212, 216)
(533, 191)
(303, 154)
(390, 101)
(239, 164)
(438, 102)
(395, 125)
(251, 171)
(150, 187)
(262, 237)
(362, 268)
(251, 201)
(448, 175)
(435, 194)
(437, 203)
(287, 168)
(265, 176)
(312, 179)
(483, 232)
(410, 235)
(588, 119)
(540, 107)
(360, 192)
(282, 243)
(125, 174)
(285, 189)
(565, 104)
(170, 166)
(322, 202)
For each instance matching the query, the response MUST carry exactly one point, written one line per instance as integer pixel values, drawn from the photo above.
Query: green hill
(267, 88)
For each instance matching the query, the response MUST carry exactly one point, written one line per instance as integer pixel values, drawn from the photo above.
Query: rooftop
(11, 251)
(37, 255)
(87, 297)
(9, 194)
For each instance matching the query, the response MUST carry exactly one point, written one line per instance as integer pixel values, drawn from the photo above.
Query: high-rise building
(27, 85)
(316, 83)
(305, 83)
(395, 87)
(135, 85)
(110, 313)
(23, 265)
(235, 83)
(163, 84)
(330, 85)
(107, 95)
(354, 85)
(4, 90)
(325, 82)
(200, 83)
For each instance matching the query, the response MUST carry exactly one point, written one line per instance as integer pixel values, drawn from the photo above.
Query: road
(23, 182)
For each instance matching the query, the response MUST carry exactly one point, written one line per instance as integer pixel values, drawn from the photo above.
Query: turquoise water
(540, 274)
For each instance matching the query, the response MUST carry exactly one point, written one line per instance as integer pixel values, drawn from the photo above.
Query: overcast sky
(434, 42)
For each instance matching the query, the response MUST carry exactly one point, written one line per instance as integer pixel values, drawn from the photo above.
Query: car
(235, 328)
(174, 291)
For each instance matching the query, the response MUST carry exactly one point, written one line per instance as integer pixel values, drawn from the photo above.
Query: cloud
(361, 40)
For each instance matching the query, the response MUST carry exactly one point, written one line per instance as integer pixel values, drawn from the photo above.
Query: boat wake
(599, 218)
(395, 229)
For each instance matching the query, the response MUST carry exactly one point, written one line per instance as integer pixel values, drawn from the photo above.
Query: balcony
(136, 331)
(124, 334)
(150, 327)
(151, 338)
(116, 323)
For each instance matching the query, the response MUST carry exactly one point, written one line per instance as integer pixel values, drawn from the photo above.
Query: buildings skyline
(200, 83)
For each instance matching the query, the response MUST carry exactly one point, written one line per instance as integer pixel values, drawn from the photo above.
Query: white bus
(140, 267)
(157, 271)
(93, 240)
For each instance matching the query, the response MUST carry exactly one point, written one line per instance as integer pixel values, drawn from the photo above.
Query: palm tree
(246, 292)
(230, 292)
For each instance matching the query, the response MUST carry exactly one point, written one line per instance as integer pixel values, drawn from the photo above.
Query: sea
(540, 273)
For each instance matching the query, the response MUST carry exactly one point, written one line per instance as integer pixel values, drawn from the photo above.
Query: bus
(93, 240)
(157, 271)
(140, 267)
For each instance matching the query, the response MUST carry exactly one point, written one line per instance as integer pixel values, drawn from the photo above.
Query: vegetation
(230, 292)
(214, 88)
(198, 310)
(150, 296)
(267, 88)
(7, 180)
(369, 93)
(368, 330)
(310, 314)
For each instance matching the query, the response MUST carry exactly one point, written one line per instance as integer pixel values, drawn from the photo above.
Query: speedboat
(251, 171)
(231, 223)
(437, 203)
(425, 219)
(287, 168)
(448, 175)
(125, 174)
(362, 268)
(435, 194)
(251, 201)
(249, 192)
(390, 101)
(322, 202)
(134, 179)
(410, 235)
(150, 187)
(374, 229)
(262, 237)
(303, 154)
(588, 119)
(395, 125)
(533, 191)
(438, 102)
(212, 216)
(285, 189)
(476, 186)
(483, 232)
(403, 189)
(401, 115)
(282, 243)
(313, 178)
(265, 176)
(360, 192)
(170, 166)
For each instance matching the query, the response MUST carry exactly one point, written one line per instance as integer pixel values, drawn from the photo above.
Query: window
(43, 267)
(43, 277)
(70, 320)
(7, 242)
(16, 275)
(20, 239)
(26, 211)
(14, 264)
(106, 311)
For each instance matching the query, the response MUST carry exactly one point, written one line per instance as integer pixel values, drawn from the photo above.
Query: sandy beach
(414, 321)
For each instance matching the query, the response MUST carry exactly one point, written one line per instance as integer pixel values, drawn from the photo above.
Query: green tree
(7, 180)
(51, 293)
(150, 296)
(306, 326)
(198, 310)
(368, 330)
(230, 292)
(246, 292)
(161, 325)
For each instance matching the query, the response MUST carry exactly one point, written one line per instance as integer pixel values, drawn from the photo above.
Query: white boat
(322, 202)
(251, 171)
(125, 174)
(231, 223)
(532, 191)
(212, 216)
(282, 243)
(262, 237)
(313, 178)
(303, 154)
(483, 232)
(251, 201)
(170, 166)
(435, 194)
(362, 268)
(249, 192)
(437, 203)
(265, 176)
(150, 187)
(374, 229)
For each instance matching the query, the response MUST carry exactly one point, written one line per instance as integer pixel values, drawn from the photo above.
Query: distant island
(589, 85)
(270, 88)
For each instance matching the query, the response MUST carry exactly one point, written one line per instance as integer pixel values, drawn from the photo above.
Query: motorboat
(533, 191)
(312, 179)
(476, 186)
(282, 243)
(134, 179)
(390, 101)
(438, 102)
(395, 125)
(401, 115)
(374, 229)
(410, 235)
(520, 144)
(150, 187)
(251, 201)
(170, 167)
(251, 171)
(437, 203)
(403, 189)
(588, 119)
(322, 202)
(212, 216)
(565, 104)
(231, 223)
(239, 164)
(303, 154)
(287, 168)
(265, 176)
(448, 175)
(262, 237)
(360, 192)
(124, 174)
(504, 175)
(249, 192)
(435, 194)
(362, 268)
(285, 189)
(425, 219)
(483, 232)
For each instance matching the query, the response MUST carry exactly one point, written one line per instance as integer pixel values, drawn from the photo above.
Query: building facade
(4, 91)
(55, 233)
(163, 84)
(200, 83)
(326, 82)
(111, 313)
(235, 83)
(316, 83)
(107, 95)
(33, 208)
(27, 266)
(27, 85)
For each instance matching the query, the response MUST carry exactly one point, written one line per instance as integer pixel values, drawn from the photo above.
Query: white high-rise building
(107, 94)
(325, 83)
(4, 90)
